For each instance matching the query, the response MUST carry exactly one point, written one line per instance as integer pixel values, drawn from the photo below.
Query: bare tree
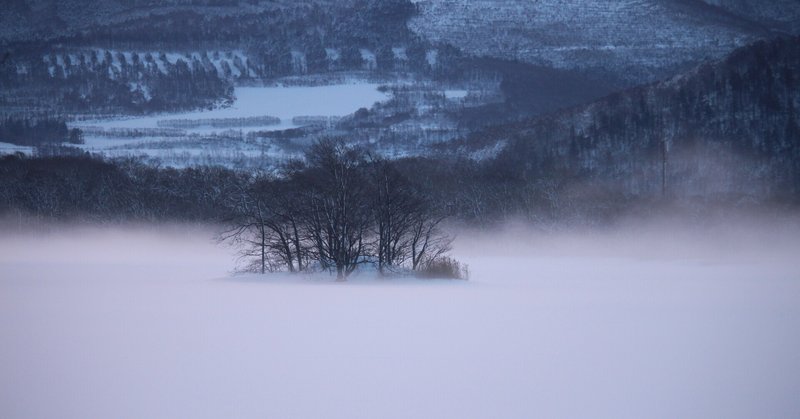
(287, 207)
(266, 225)
(395, 206)
(338, 215)
(246, 215)
(428, 242)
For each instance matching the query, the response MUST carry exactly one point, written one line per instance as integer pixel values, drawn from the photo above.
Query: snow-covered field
(284, 102)
(130, 136)
(8, 148)
(134, 323)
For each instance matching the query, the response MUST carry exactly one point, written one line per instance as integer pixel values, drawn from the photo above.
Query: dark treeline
(267, 214)
(83, 187)
(37, 131)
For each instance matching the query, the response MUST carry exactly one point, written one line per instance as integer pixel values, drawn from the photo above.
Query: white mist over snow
(652, 322)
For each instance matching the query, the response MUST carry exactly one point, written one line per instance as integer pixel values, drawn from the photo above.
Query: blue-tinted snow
(660, 323)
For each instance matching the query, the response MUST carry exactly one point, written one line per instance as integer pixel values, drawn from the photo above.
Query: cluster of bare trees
(336, 211)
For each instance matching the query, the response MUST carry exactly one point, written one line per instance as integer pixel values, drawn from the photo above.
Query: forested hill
(142, 56)
(630, 41)
(49, 19)
(727, 128)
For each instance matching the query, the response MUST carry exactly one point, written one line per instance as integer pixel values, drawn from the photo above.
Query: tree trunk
(664, 167)
(263, 252)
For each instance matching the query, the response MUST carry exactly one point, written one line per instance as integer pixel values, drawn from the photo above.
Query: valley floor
(132, 323)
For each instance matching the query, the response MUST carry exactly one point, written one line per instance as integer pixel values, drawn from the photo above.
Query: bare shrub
(444, 268)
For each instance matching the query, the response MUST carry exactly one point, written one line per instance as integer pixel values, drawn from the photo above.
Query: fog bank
(651, 320)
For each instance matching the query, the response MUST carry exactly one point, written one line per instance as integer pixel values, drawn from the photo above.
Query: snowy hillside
(780, 14)
(636, 40)
(725, 128)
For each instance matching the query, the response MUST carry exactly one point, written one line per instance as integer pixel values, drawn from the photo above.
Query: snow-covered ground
(455, 94)
(133, 323)
(8, 148)
(638, 40)
(121, 137)
(284, 102)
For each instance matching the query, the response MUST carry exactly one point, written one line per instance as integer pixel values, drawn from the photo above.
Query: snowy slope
(781, 14)
(637, 39)
(731, 128)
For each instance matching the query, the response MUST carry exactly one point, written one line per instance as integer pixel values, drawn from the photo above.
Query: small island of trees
(338, 210)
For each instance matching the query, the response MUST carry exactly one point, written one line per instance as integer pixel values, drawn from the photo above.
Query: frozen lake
(284, 102)
(189, 138)
(148, 323)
